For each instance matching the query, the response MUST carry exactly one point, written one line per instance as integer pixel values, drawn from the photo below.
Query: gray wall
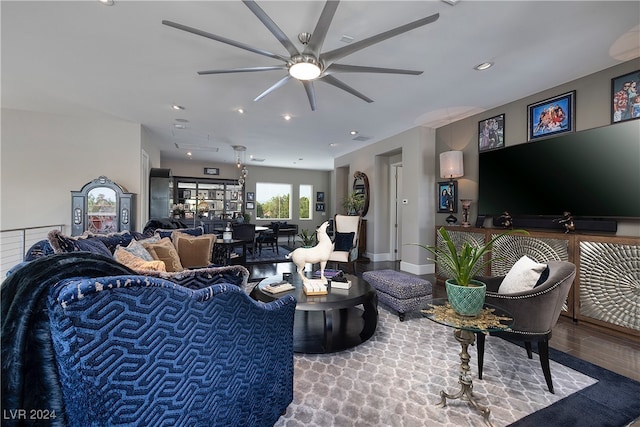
(46, 156)
(415, 148)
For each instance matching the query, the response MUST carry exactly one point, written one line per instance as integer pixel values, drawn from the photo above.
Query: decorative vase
(466, 300)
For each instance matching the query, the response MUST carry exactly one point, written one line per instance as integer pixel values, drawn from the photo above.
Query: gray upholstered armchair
(535, 312)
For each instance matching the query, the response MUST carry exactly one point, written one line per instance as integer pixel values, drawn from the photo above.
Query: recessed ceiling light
(353, 132)
(287, 117)
(189, 153)
(177, 107)
(240, 110)
(483, 66)
(333, 144)
(179, 126)
(182, 120)
(346, 39)
(107, 2)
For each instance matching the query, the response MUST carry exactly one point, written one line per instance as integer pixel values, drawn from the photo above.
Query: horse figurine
(317, 254)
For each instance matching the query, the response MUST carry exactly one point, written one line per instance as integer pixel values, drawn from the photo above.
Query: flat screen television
(594, 173)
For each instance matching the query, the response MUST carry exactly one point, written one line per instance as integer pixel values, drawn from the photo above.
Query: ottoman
(400, 291)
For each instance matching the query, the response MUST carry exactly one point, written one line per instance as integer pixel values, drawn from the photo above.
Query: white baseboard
(417, 269)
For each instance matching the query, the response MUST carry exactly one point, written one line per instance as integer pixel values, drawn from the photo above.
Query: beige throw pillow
(164, 250)
(523, 276)
(136, 263)
(194, 251)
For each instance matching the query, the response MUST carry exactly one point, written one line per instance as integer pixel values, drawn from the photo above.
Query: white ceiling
(85, 59)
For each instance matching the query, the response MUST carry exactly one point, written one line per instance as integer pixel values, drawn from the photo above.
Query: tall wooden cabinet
(606, 291)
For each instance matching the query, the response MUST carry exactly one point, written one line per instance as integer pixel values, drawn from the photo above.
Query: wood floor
(602, 348)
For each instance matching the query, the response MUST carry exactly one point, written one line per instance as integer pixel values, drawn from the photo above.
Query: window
(305, 201)
(273, 201)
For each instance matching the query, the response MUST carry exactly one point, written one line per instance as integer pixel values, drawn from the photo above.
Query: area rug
(395, 378)
(269, 255)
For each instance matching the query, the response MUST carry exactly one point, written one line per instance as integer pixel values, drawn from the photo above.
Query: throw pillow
(343, 241)
(196, 231)
(135, 248)
(194, 251)
(164, 250)
(112, 240)
(136, 263)
(62, 244)
(523, 276)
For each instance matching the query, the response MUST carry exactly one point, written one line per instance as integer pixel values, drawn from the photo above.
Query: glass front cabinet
(102, 207)
(209, 198)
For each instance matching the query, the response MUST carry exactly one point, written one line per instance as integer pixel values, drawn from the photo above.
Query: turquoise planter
(466, 300)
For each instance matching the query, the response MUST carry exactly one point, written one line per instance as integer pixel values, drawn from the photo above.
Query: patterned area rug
(395, 379)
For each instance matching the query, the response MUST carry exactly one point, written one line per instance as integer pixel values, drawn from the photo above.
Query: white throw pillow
(523, 276)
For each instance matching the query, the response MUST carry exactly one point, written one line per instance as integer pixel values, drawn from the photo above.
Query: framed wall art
(251, 196)
(491, 133)
(625, 97)
(448, 197)
(551, 116)
(320, 196)
(250, 205)
(319, 207)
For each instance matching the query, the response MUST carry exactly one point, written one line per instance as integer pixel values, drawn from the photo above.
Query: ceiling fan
(310, 64)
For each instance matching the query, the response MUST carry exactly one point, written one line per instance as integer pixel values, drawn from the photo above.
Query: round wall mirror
(361, 186)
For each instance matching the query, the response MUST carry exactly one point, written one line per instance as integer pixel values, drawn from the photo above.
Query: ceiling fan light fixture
(304, 68)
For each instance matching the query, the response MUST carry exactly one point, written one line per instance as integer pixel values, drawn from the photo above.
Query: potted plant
(308, 239)
(461, 265)
(353, 203)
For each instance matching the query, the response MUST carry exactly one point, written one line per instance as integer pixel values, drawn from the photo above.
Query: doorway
(395, 186)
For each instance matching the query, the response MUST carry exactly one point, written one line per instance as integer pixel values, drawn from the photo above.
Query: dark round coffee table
(342, 319)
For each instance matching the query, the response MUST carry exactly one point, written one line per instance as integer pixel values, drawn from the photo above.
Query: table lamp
(451, 166)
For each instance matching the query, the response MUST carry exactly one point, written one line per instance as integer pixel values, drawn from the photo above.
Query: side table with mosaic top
(490, 319)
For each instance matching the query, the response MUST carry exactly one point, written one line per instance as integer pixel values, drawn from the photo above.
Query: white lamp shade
(451, 165)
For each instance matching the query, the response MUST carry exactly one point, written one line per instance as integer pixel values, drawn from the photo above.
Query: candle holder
(466, 204)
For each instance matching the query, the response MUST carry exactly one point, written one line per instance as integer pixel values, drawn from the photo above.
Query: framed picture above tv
(552, 116)
(625, 97)
(491, 133)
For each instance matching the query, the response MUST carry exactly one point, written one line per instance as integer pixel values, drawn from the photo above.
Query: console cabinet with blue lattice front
(606, 291)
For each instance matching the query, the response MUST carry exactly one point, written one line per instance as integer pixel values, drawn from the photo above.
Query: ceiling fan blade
(328, 57)
(243, 70)
(224, 40)
(320, 32)
(343, 68)
(311, 93)
(271, 26)
(277, 85)
(337, 83)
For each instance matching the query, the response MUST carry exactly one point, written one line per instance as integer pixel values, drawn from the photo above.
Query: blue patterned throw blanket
(31, 392)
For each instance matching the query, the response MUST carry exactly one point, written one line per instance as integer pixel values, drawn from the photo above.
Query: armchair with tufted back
(347, 231)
